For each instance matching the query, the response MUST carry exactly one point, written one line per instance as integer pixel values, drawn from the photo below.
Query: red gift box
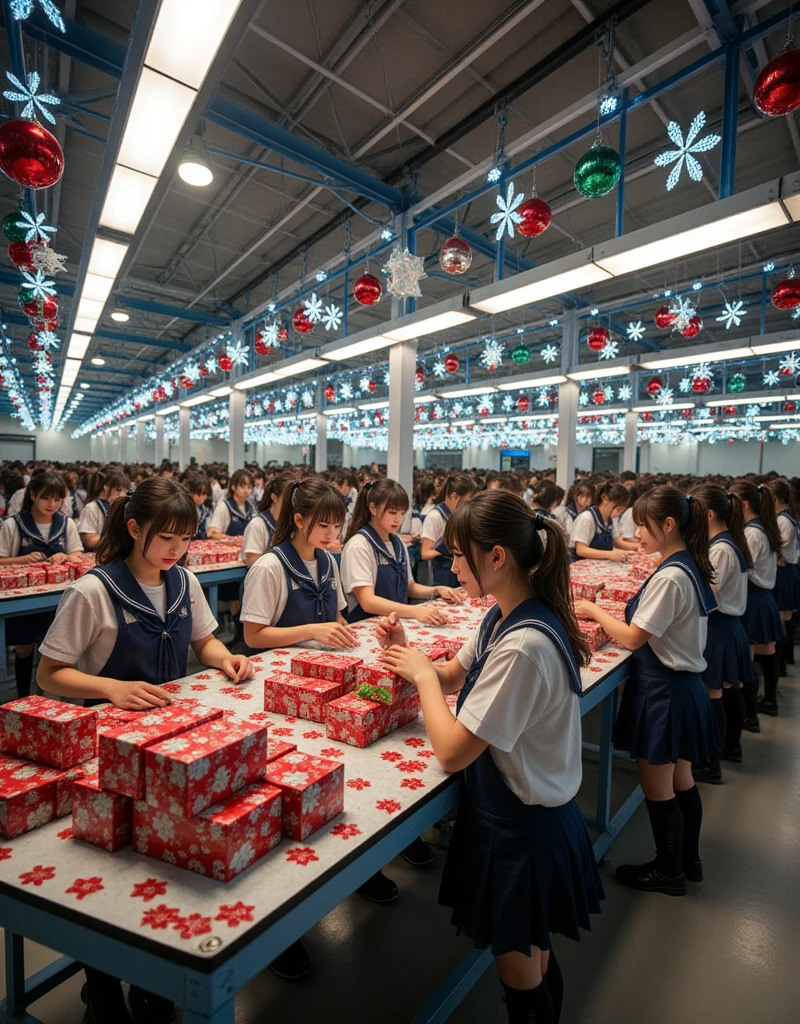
(57, 573)
(593, 633)
(278, 748)
(36, 574)
(623, 592)
(299, 696)
(221, 841)
(313, 791)
(11, 578)
(47, 731)
(190, 772)
(356, 721)
(99, 816)
(121, 749)
(28, 796)
(376, 682)
(66, 781)
(336, 668)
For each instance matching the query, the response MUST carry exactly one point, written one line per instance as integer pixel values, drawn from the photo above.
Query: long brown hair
(782, 490)
(761, 502)
(691, 521)
(617, 494)
(499, 518)
(241, 476)
(545, 494)
(581, 487)
(276, 485)
(43, 485)
(105, 479)
(159, 503)
(315, 500)
(387, 494)
(456, 483)
(727, 507)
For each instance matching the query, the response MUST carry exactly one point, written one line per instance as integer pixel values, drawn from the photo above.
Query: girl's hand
(585, 609)
(430, 615)
(34, 556)
(451, 595)
(238, 667)
(137, 696)
(57, 558)
(616, 555)
(411, 665)
(334, 634)
(389, 630)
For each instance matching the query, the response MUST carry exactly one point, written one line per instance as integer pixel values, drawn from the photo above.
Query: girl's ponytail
(361, 515)
(275, 485)
(115, 541)
(95, 484)
(386, 495)
(690, 516)
(461, 484)
(762, 504)
(735, 524)
(695, 536)
(550, 583)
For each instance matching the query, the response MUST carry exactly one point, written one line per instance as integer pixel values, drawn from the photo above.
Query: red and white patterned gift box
(593, 633)
(99, 816)
(623, 592)
(336, 668)
(121, 749)
(356, 721)
(67, 779)
(279, 748)
(13, 577)
(36, 574)
(47, 731)
(377, 683)
(28, 796)
(586, 589)
(197, 769)
(313, 791)
(57, 573)
(221, 841)
(299, 696)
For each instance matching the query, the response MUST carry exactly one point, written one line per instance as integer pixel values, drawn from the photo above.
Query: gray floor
(727, 953)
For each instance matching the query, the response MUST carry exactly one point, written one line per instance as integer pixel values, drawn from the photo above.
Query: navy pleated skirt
(22, 630)
(787, 588)
(513, 881)
(762, 620)
(727, 652)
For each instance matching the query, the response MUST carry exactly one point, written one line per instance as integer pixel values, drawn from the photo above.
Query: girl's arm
(428, 550)
(215, 654)
(630, 636)
(332, 634)
(625, 544)
(251, 557)
(422, 593)
(584, 551)
(58, 677)
(374, 605)
(214, 533)
(90, 540)
(34, 556)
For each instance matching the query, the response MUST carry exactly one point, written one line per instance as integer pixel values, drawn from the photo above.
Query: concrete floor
(728, 953)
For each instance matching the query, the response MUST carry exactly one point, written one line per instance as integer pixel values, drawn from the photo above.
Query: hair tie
(760, 488)
(689, 499)
(538, 521)
(129, 493)
(368, 484)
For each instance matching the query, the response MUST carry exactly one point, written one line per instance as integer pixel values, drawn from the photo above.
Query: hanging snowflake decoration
(386, 379)
(278, 405)
(732, 314)
(439, 369)
(635, 330)
(168, 389)
(331, 318)
(685, 149)
(238, 353)
(583, 399)
(21, 9)
(666, 396)
(269, 333)
(608, 393)
(192, 372)
(27, 94)
(45, 259)
(494, 174)
(790, 363)
(771, 379)
(492, 355)
(211, 365)
(419, 383)
(703, 413)
(752, 411)
(364, 383)
(486, 402)
(508, 403)
(405, 272)
(307, 399)
(291, 399)
(610, 350)
(704, 371)
(685, 385)
(550, 353)
(38, 284)
(683, 311)
(507, 215)
(456, 409)
(36, 228)
(345, 391)
(625, 392)
(313, 308)
(48, 340)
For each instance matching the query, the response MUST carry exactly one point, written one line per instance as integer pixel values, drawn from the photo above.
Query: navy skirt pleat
(787, 588)
(727, 652)
(761, 619)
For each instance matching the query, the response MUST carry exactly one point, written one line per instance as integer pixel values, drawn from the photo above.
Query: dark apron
(391, 582)
(31, 540)
(443, 575)
(603, 539)
(307, 601)
(103, 505)
(727, 650)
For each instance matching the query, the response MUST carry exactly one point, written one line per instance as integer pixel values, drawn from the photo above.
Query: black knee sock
(555, 984)
(734, 711)
(529, 1005)
(106, 998)
(750, 694)
(769, 663)
(666, 822)
(791, 633)
(692, 810)
(722, 724)
(23, 670)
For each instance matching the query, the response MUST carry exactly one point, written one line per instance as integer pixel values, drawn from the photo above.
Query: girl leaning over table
(520, 866)
(128, 624)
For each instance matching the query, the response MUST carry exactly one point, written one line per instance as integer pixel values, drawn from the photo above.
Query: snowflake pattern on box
(550, 353)
(507, 215)
(732, 314)
(492, 355)
(405, 272)
(685, 148)
(27, 94)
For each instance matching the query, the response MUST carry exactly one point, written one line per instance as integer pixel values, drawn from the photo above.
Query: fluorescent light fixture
(600, 372)
(84, 324)
(784, 426)
(72, 367)
(462, 423)
(107, 257)
(160, 107)
(222, 392)
(663, 408)
(307, 416)
(532, 382)
(790, 195)
(417, 325)
(344, 411)
(562, 275)
(78, 343)
(186, 37)
(120, 316)
(602, 410)
(98, 361)
(290, 368)
(493, 419)
(197, 400)
(128, 194)
(693, 357)
(97, 288)
(90, 309)
(253, 382)
(424, 400)
(468, 392)
(195, 172)
(776, 346)
(366, 406)
(85, 387)
(725, 400)
(147, 418)
(358, 345)
(169, 411)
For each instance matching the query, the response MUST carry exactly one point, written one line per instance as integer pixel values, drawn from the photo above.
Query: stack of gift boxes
(211, 552)
(37, 574)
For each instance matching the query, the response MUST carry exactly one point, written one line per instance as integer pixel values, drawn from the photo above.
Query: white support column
(184, 428)
(95, 448)
(161, 447)
(123, 444)
(400, 457)
(236, 404)
(141, 440)
(631, 428)
(567, 404)
(321, 447)
(107, 449)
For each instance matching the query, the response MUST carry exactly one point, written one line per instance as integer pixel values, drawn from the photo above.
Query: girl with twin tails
(260, 530)
(104, 487)
(592, 534)
(456, 488)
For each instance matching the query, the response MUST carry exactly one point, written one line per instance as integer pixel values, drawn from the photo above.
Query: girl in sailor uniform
(38, 533)
(666, 721)
(520, 865)
(259, 531)
(104, 487)
(787, 580)
(578, 498)
(545, 497)
(729, 664)
(198, 486)
(592, 534)
(762, 618)
(229, 519)
(457, 487)
(376, 572)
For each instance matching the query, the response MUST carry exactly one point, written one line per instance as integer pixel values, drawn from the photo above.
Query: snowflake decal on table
(37, 875)
(313, 308)
(492, 355)
(685, 148)
(666, 396)
(625, 392)
(415, 741)
(439, 369)
(192, 925)
(313, 735)
(38, 284)
(412, 783)
(390, 806)
(234, 914)
(636, 330)
(83, 887)
(550, 353)
(37, 230)
(732, 314)
(301, 855)
(21, 9)
(771, 379)
(5, 852)
(405, 272)
(64, 834)
(610, 350)
(344, 830)
(411, 766)
(27, 94)
(391, 755)
(507, 215)
(238, 353)
(790, 362)
(330, 751)
(358, 784)
(160, 918)
(149, 889)
(685, 385)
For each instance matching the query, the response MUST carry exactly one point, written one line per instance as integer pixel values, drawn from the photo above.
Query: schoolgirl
(259, 484)
(729, 664)
(520, 865)
(229, 519)
(787, 581)
(666, 721)
(626, 527)
(578, 498)
(129, 624)
(376, 571)
(456, 488)
(259, 531)
(762, 619)
(197, 484)
(545, 497)
(104, 487)
(38, 533)
(592, 533)
(15, 492)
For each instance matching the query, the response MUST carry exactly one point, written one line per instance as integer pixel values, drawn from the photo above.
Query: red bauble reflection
(535, 217)
(687, 413)
(786, 295)
(330, 391)
(654, 386)
(455, 256)
(777, 88)
(700, 385)
(301, 323)
(451, 364)
(45, 310)
(665, 318)
(203, 370)
(260, 345)
(790, 407)
(729, 410)
(186, 383)
(647, 415)
(20, 255)
(598, 338)
(693, 328)
(372, 387)
(367, 290)
(523, 403)
(419, 376)
(598, 396)
(30, 154)
(225, 363)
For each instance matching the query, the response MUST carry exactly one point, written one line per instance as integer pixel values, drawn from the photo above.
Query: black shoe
(649, 878)
(378, 889)
(768, 707)
(708, 773)
(693, 872)
(418, 854)
(734, 755)
(751, 724)
(293, 963)
(107, 1007)
(148, 1008)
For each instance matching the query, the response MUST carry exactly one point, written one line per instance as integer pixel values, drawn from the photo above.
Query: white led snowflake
(610, 350)
(486, 402)
(321, 275)
(683, 311)
(543, 398)
(345, 391)
(508, 403)
(211, 365)
(387, 235)
(48, 340)
(666, 396)
(307, 399)
(492, 355)
(732, 314)
(493, 175)
(608, 393)
(331, 318)
(635, 330)
(685, 385)
(192, 372)
(771, 379)
(583, 399)
(36, 228)
(704, 371)
(364, 383)
(419, 384)
(38, 284)
(21, 9)
(625, 393)
(269, 332)
(386, 378)
(507, 215)
(790, 362)
(752, 410)
(238, 353)
(457, 408)
(439, 369)
(405, 272)
(550, 353)
(278, 405)
(313, 308)
(685, 149)
(47, 260)
(291, 399)
(168, 389)
(27, 94)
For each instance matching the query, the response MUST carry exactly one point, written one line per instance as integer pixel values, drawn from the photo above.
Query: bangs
(176, 515)
(640, 511)
(331, 509)
(396, 500)
(50, 490)
(457, 533)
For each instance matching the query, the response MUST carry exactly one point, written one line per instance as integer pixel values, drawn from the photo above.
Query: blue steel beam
(722, 19)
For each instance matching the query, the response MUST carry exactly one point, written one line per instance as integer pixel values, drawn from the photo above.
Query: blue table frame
(204, 982)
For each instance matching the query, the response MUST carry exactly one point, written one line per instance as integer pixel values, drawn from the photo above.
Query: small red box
(356, 721)
(37, 575)
(47, 731)
(336, 668)
(313, 791)
(28, 796)
(278, 748)
(622, 591)
(299, 696)
(100, 817)
(593, 633)
(190, 772)
(12, 578)
(121, 749)
(66, 781)
(376, 682)
(57, 573)
(221, 841)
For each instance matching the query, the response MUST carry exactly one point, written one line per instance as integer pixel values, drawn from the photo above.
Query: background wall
(55, 446)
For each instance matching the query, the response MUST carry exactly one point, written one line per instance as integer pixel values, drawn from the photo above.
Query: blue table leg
(608, 716)
(213, 598)
(15, 974)
(447, 997)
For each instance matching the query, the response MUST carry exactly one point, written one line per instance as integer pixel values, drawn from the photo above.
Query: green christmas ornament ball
(11, 230)
(25, 295)
(521, 354)
(597, 172)
(737, 382)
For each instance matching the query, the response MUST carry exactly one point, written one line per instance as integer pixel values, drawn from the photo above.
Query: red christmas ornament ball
(700, 385)
(330, 391)
(786, 295)
(33, 343)
(372, 387)
(729, 410)
(523, 403)
(654, 386)
(598, 396)
(203, 370)
(283, 333)
(260, 345)
(367, 290)
(535, 217)
(301, 323)
(45, 310)
(30, 154)
(790, 407)
(186, 383)
(21, 255)
(225, 363)
(777, 88)
(693, 328)
(647, 415)
(419, 376)
(665, 318)
(785, 371)
(687, 413)
(451, 364)
(455, 256)
(598, 338)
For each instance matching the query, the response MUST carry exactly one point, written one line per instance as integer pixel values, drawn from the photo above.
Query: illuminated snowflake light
(387, 235)
(771, 379)
(683, 311)
(636, 330)
(685, 148)
(38, 284)
(238, 353)
(405, 272)
(192, 372)
(507, 215)
(583, 399)
(732, 314)
(269, 332)
(543, 398)
(608, 104)
(492, 355)
(769, 266)
(307, 399)
(48, 340)
(610, 350)
(666, 396)
(313, 308)
(321, 275)
(685, 385)
(494, 174)
(439, 369)
(625, 392)
(790, 362)
(508, 403)
(608, 393)
(752, 410)
(345, 391)
(27, 94)
(36, 228)
(550, 353)
(331, 318)
(22, 9)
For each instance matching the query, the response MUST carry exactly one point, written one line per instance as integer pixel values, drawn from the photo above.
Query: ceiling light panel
(186, 37)
(128, 194)
(159, 109)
